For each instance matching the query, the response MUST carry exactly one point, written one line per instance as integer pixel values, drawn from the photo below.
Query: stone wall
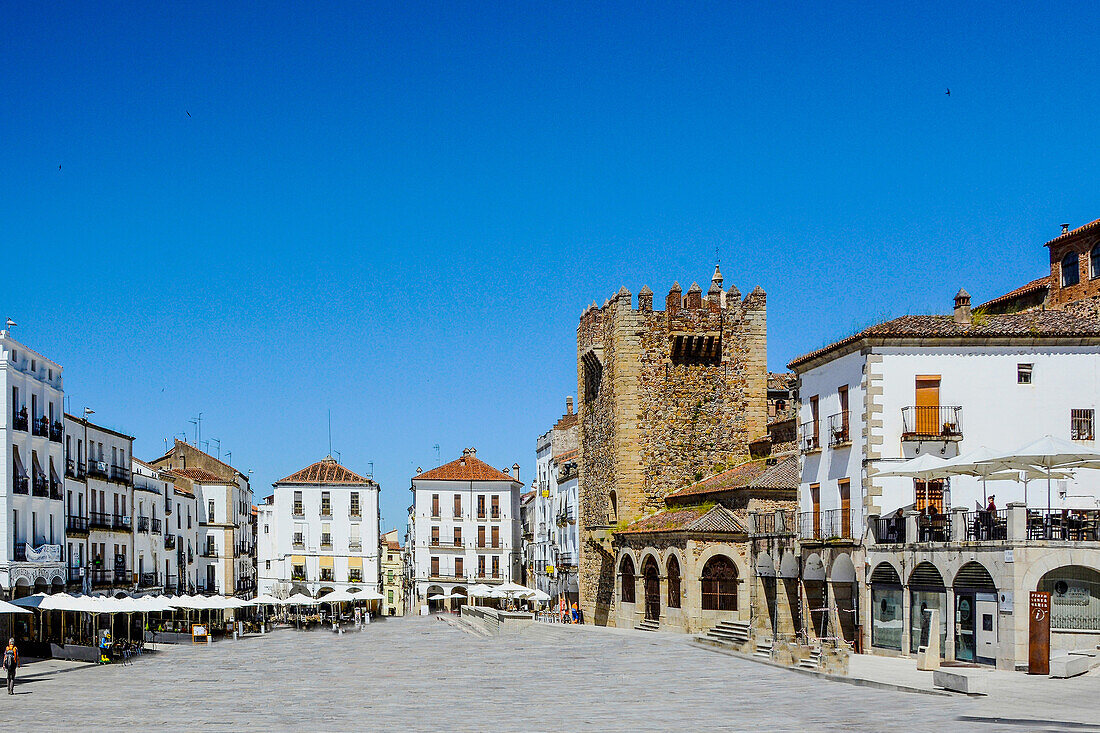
(654, 424)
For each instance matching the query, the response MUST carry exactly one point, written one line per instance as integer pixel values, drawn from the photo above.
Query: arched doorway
(434, 606)
(458, 597)
(673, 582)
(886, 607)
(926, 593)
(1074, 598)
(652, 578)
(975, 614)
(719, 584)
(626, 573)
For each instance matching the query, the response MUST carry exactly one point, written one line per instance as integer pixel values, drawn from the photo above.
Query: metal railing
(765, 523)
(20, 485)
(209, 552)
(826, 525)
(147, 580)
(935, 422)
(810, 440)
(75, 523)
(19, 420)
(933, 528)
(74, 470)
(143, 524)
(890, 530)
(985, 525)
(355, 546)
(56, 492)
(156, 525)
(100, 520)
(98, 469)
(120, 474)
(41, 427)
(839, 427)
(39, 485)
(56, 431)
(1063, 525)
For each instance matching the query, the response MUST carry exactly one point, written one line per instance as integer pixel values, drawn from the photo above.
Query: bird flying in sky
(949, 91)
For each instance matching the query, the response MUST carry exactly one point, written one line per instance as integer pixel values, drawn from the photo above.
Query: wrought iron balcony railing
(942, 422)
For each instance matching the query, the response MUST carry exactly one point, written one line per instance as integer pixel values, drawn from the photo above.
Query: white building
(320, 532)
(947, 385)
(553, 551)
(464, 528)
(31, 488)
(223, 560)
(155, 566)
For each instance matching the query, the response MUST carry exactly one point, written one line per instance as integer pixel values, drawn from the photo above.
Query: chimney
(1065, 229)
(569, 405)
(473, 452)
(419, 470)
(515, 471)
(962, 309)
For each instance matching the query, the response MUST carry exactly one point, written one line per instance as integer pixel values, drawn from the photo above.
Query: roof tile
(325, 471)
(466, 468)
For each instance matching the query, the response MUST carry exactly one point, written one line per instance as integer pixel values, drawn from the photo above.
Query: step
(647, 625)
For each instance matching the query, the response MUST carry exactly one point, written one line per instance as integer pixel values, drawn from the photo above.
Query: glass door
(964, 627)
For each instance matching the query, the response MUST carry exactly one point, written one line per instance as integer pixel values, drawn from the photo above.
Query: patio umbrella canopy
(1047, 454)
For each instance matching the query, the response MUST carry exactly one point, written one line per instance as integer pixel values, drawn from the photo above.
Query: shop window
(1074, 598)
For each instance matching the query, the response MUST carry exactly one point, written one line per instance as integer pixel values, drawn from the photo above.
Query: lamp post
(86, 581)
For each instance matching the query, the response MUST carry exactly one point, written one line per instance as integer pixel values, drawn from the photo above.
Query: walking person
(11, 661)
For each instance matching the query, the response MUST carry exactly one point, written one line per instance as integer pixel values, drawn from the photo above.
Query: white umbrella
(6, 607)
(480, 591)
(540, 596)
(267, 600)
(438, 597)
(1049, 453)
(924, 467)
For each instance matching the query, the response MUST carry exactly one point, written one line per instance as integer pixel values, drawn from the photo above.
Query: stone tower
(665, 396)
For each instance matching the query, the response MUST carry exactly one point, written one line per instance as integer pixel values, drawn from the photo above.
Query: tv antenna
(436, 447)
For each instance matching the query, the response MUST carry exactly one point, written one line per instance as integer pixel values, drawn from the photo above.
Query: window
(1094, 262)
(435, 567)
(435, 506)
(1070, 272)
(613, 508)
(209, 512)
(267, 565)
(326, 535)
(458, 506)
(719, 584)
(354, 504)
(326, 504)
(389, 596)
(1074, 598)
(458, 567)
(435, 536)
(1080, 424)
(481, 535)
(298, 571)
(496, 566)
(299, 508)
(496, 536)
(593, 374)
(626, 573)
(267, 528)
(481, 566)
(481, 506)
(458, 536)
(673, 582)
(496, 507)
(1023, 373)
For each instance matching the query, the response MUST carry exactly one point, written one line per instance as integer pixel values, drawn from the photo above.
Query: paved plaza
(425, 674)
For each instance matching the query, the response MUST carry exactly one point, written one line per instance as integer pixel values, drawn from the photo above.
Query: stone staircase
(812, 662)
(732, 633)
(763, 649)
(648, 624)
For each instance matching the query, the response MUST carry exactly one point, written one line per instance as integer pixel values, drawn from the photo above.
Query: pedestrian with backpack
(11, 661)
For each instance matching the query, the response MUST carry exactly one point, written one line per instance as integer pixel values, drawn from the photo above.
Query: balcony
(99, 520)
(839, 427)
(208, 589)
(298, 575)
(833, 524)
(299, 510)
(41, 427)
(148, 580)
(74, 576)
(567, 559)
(121, 522)
(326, 512)
(171, 581)
(1015, 525)
(102, 578)
(40, 486)
(167, 507)
(20, 485)
(355, 546)
(76, 525)
(121, 475)
(56, 431)
(74, 470)
(209, 552)
(156, 525)
(942, 422)
(169, 541)
(19, 420)
(326, 541)
(143, 525)
(99, 470)
(495, 516)
(354, 515)
(810, 441)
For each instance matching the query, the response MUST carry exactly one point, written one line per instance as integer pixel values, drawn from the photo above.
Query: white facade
(540, 550)
(155, 567)
(465, 528)
(320, 533)
(996, 411)
(31, 485)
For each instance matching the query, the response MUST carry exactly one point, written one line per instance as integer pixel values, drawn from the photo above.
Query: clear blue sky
(399, 214)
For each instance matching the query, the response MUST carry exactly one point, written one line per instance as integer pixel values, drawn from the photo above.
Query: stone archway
(651, 579)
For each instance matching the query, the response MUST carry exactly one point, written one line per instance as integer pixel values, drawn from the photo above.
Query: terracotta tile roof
(781, 380)
(467, 468)
(1023, 325)
(324, 471)
(198, 474)
(1074, 232)
(183, 490)
(393, 544)
(1041, 283)
(179, 442)
(688, 519)
(754, 474)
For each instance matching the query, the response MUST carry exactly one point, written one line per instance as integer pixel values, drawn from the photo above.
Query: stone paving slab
(422, 674)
